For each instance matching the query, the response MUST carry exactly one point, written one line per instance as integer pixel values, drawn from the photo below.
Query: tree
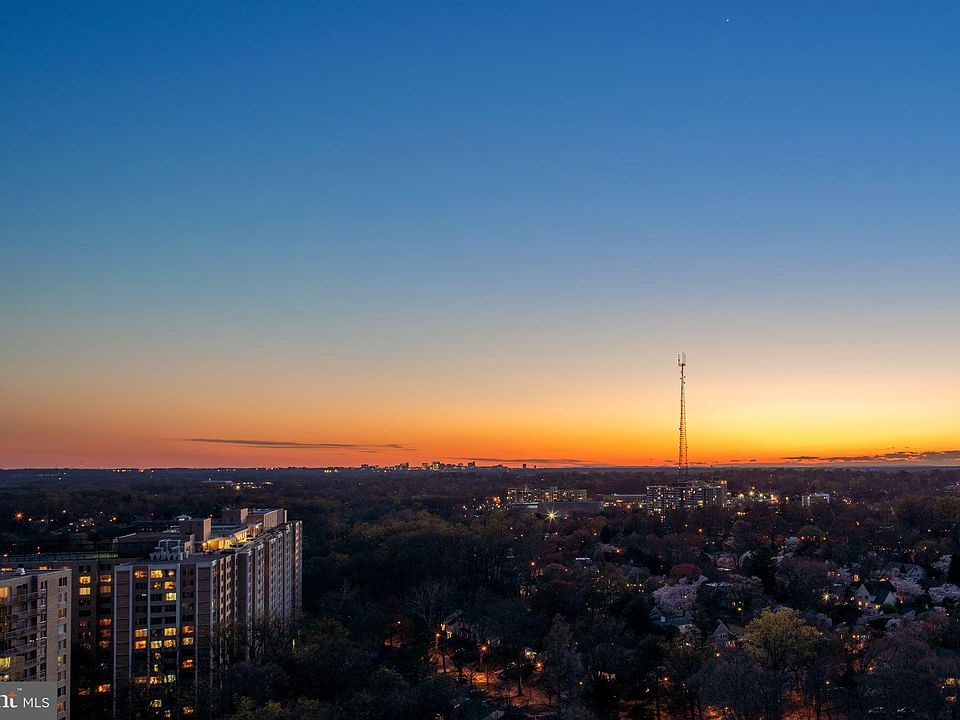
(732, 683)
(511, 621)
(759, 563)
(905, 673)
(426, 602)
(562, 668)
(953, 572)
(680, 598)
(781, 644)
(906, 588)
(689, 571)
(682, 663)
(819, 678)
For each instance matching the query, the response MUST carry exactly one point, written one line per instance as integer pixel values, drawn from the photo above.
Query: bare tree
(562, 667)
(427, 601)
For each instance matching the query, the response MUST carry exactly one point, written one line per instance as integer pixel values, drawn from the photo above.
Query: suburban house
(456, 626)
(905, 570)
(727, 636)
(874, 598)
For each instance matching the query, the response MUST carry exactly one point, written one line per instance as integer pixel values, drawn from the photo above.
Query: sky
(310, 234)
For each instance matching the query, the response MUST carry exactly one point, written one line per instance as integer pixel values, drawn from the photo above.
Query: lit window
(156, 574)
(168, 631)
(106, 578)
(84, 591)
(140, 574)
(187, 664)
(140, 632)
(84, 579)
(139, 644)
(169, 643)
(103, 688)
(170, 596)
(187, 641)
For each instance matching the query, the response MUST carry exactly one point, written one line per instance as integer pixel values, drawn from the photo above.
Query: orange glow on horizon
(510, 413)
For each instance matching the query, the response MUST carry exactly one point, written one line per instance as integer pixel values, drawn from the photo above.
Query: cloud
(293, 445)
(897, 456)
(534, 461)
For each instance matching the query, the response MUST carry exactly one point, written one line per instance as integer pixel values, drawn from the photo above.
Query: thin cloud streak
(293, 445)
(899, 456)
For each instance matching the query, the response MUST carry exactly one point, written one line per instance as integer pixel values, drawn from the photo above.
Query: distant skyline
(317, 234)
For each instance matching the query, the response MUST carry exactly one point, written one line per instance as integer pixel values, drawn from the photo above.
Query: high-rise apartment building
(204, 574)
(35, 630)
(91, 623)
(143, 615)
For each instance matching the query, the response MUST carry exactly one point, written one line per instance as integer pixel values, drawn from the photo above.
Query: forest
(423, 601)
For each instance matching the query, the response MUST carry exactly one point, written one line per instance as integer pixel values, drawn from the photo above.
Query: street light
(486, 675)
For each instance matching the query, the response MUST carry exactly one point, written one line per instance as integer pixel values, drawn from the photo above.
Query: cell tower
(682, 462)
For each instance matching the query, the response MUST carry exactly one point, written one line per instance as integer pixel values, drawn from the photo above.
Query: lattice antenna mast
(682, 462)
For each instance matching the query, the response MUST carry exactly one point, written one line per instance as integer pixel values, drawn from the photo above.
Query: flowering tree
(905, 587)
(947, 591)
(680, 598)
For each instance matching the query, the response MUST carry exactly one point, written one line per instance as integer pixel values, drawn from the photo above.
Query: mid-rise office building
(35, 630)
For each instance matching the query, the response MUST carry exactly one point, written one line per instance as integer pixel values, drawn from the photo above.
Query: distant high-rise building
(35, 630)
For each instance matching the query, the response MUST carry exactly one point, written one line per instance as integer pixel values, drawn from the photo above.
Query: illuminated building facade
(527, 495)
(688, 495)
(35, 630)
(91, 620)
(202, 574)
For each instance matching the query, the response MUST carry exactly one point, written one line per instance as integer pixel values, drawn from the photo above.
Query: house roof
(676, 621)
(453, 617)
(735, 630)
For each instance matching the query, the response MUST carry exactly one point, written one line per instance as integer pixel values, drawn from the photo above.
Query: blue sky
(313, 187)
